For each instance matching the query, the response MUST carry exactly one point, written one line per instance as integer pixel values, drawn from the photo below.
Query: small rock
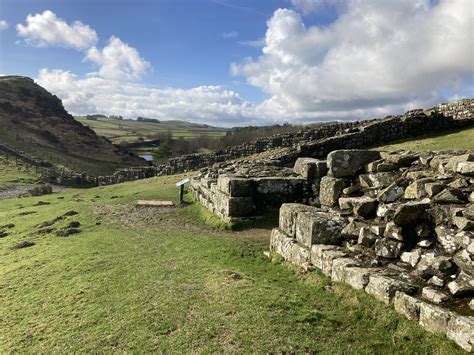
(391, 193)
(436, 281)
(463, 285)
(411, 258)
(366, 237)
(463, 223)
(447, 196)
(388, 248)
(471, 304)
(425, 243)
(446, 237)
(409, 213)
(433, 295)
(433, 188)
(465, 168)
(393, 231)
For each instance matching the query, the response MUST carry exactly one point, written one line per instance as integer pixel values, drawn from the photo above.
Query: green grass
(456, 140)
(173, 280)
(130, 130)
(15, 174)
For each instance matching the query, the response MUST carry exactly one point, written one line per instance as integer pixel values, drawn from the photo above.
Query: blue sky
(236, 62)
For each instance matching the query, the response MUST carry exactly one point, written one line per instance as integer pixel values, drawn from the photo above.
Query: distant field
(456, 140)
(129, 130)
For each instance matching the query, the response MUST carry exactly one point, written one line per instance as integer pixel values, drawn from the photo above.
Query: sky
(242, 62)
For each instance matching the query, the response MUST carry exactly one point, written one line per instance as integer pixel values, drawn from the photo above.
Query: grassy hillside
(143, 280)
(130, 130)
(457, 140)
(15, 175)
(34, 121)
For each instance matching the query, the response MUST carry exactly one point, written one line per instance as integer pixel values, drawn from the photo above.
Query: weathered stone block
(433, 295)
(446, 237)
(461, 330)
(416, 189)
(330, 190)
(310, 168)
(366, 237)
(463, 285)
(234, 206)
(287, 219)
(317, 251)
(407, 305)
(453, 161)
(465, 168)
(342, 163)
(409, 213)
(432, 188)
(288, 248)
(362, 206)
(411, 257)
(388, 248)
(235, 187)
(328, 257)
(391, 193)
(314, 226)
(358, 277)
(434, 318)
(339, 267)
(448, 196)
(383, 288)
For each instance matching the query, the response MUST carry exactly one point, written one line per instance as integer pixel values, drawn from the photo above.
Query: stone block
(234, 206)
(352, 229)
(388, 248)
(433, 188)
(378, 180)
(358, 277)
(317, 251)
(433, 295)
(339, 267)
(235, 187)
(461, 330)
(330, 190)
(328, 257)
(463, 285)
(391, 193)
(362, 206)
(453, 161)
(288, 248)
(434, 318)
(287, 219)
(411, 257)
(314, 226)
(310, 168)
(409, 213)
(465, 168)
(447, 238)
(407, 305)
(383, 288)
(416, 189)
(448, 196)
(343, 163)
(366, 237)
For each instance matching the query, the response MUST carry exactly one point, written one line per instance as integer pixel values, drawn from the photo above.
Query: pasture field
(88, 270)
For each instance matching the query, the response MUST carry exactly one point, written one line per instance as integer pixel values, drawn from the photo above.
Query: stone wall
(316, 142)
(399, 226)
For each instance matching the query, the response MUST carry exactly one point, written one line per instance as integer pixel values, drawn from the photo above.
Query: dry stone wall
(399, 226)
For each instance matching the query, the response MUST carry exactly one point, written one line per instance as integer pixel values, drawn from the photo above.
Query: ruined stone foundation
(399, 226)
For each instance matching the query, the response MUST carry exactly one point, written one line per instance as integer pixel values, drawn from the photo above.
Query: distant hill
(132, 130)
(35, 121)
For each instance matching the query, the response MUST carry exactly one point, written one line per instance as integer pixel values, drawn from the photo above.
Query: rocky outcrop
(402, 229)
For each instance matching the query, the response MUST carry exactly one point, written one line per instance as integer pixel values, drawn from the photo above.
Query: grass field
(15, 174)
(129, 130)
(456, 140)
(169, 280)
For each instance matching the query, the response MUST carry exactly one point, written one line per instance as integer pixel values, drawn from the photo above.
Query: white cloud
(378, 56)
(204, 104)
(46, 29)
(118, 61)
(229, 35)
(3, 25)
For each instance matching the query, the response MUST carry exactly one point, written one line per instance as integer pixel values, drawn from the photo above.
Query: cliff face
(35, 121)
